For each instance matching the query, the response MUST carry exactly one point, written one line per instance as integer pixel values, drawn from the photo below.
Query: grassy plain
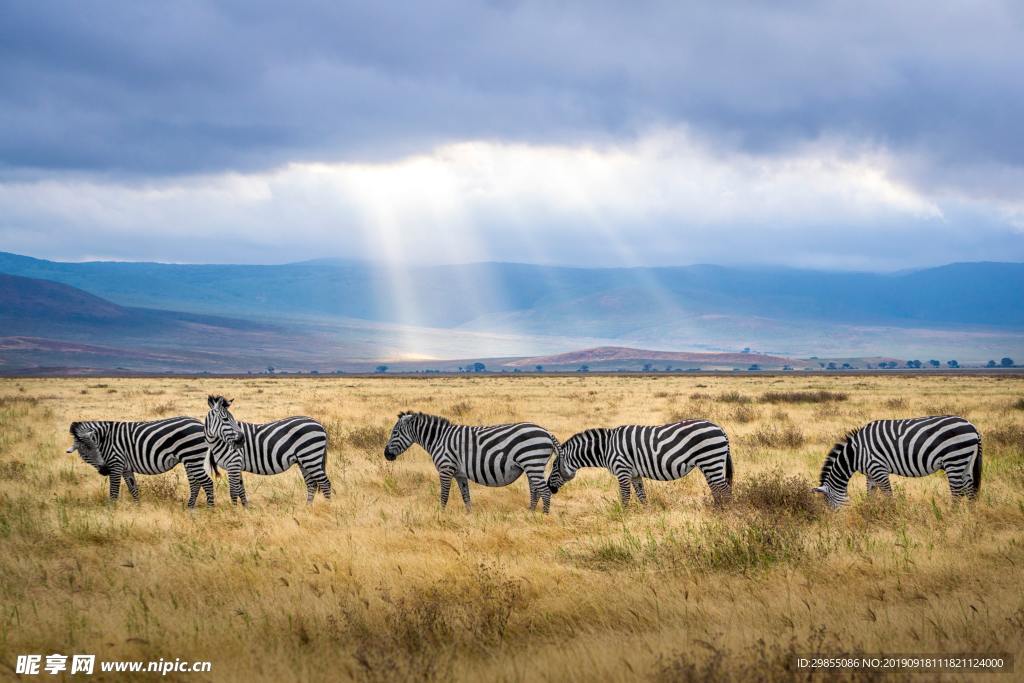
(380, 584)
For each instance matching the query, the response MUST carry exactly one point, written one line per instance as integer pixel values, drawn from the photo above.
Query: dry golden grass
(380, 584)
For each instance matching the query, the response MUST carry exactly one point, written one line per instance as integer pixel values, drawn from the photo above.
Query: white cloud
(488, 200)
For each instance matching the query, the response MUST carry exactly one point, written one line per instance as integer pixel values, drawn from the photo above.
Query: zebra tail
(211, 464)
(976, 472)
(556, 444)
(728, 467)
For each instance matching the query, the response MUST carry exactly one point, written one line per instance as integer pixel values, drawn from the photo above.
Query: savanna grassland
(380, 584)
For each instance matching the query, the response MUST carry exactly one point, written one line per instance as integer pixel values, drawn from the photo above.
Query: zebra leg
(638, 485)
(133, 488)
(446, 486)
(959, 482)
(207, 483)
(539, 488)
(325, 484)
(624, 483)
(198, 478)
(236, 487)
(311, 486)
(115, 484)
(464, 490)
(878, 480)
(714, 475)
(193, 492)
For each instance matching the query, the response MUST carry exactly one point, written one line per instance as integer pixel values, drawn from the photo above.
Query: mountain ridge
(497, 309)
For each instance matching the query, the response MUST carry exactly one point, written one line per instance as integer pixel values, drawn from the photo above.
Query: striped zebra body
(269, 448)
(634, 452)
(492, 456)
(914, 447)
(120, 450)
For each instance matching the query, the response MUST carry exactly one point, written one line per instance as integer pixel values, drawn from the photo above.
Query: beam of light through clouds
(663, 199)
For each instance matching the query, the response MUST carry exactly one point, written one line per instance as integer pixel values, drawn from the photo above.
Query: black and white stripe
(269, 448)
(492, 456)
(914, 447)
(120, 450)
(634, 452)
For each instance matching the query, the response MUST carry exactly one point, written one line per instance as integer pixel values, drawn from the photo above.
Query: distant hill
(48, 323)
(542, 297)
(30, 298)
(53, 328)
(620, 357)
(964, 311)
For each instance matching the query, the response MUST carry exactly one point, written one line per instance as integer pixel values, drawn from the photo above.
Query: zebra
(269, 448)
(120, 450)
(492, 456)
(913, 447)
(665, 452)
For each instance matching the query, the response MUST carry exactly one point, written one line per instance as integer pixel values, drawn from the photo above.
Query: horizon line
(329, 261)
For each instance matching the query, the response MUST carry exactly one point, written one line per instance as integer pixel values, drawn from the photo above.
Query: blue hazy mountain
(48, 326)
(318, 313)
(546, 297)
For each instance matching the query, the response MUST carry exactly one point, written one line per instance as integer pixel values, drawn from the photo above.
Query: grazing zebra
(269, 448)
(910, 448)
(666, 452)
(492, 456)
(124, 449)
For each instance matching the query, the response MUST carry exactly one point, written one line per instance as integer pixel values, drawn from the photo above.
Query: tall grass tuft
(820, 396)
(777, 493)
(777, 436)
(368, 438)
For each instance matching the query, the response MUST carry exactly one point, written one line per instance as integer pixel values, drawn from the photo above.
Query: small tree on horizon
(382, 368)
(478, 367)
(990, 364)
(935, 364)
(538, 368)
(953, 364)
(1006, 362)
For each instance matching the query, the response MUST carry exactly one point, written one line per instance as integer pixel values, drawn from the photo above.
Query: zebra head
(563, 470)
(221, 424)
(86, 440)
(403, 435)
(834, 474)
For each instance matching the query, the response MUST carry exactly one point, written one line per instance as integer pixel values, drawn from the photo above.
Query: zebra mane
(426, 416)
(833, 453)
(77, 428)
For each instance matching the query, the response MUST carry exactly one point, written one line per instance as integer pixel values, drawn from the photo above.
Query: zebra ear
(211, 401)
(228, 402)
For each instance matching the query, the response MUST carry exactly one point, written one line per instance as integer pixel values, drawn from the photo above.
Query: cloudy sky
(853, 135)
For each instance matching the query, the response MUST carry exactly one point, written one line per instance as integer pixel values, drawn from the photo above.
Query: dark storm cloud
(168, 88)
